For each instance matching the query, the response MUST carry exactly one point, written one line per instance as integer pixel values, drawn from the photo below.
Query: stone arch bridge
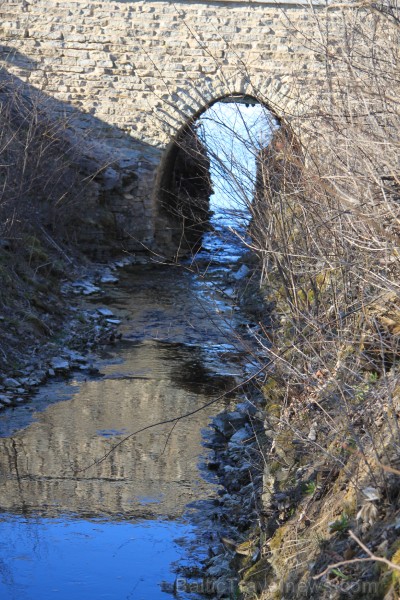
(130, 74)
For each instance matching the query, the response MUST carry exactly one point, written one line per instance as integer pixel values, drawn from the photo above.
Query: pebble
(241, 436)
(105, 312)
(241, 273)
(123, 262)
(227, 423)
(312, 436)
(229, 293)
(74, 356)
(11, 383)
(5, 400)
(108, 278)
(247, 407)
(218, 567)
(59, 364)
(85, 287)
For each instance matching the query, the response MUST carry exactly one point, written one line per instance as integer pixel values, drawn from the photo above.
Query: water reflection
(73, 529)
(53, 558)
(46, 467)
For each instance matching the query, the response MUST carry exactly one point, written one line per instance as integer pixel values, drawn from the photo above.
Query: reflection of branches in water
(6, 573)
(13, 452)
(174, 420)
(28, 533)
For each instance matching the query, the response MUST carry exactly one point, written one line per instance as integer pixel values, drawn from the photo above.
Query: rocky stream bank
(56, 339)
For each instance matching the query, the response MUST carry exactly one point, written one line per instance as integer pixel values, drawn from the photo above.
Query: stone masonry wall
(129, 74)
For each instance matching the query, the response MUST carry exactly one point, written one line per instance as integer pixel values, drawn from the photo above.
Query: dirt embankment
(327, 511)
(49, 215)
(47, 326)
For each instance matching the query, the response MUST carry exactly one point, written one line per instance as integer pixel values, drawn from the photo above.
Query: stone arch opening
(200, 169)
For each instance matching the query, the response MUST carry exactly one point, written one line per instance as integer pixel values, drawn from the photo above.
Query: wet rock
(10, 382)
(229, 293)
(221, 424)
(59, 364)
(76, 357)
(241, 436)
(5, 400)
(219, 567)
(85, 287)
(229, 474)
(245, 467)
(227, 423)
(105, 312)
(248, 408)
(124, 262)
(91, 370)
(34, 381)
(110, 178)
(108, 278)
(241, 273)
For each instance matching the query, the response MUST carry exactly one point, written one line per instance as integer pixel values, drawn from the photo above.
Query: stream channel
(74, 530)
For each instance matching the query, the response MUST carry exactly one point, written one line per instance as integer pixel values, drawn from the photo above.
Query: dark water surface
(74, 526)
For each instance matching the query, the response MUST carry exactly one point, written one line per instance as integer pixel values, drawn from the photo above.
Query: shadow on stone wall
(184, 190)
(114, 208)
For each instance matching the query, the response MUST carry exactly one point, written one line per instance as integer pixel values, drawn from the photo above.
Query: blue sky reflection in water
(44, 559)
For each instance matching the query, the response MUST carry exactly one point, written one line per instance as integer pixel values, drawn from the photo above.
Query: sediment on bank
(48, 327)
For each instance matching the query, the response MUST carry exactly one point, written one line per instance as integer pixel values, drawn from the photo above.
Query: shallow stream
(77, 524)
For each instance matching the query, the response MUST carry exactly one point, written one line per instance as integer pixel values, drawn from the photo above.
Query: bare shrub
(39, 178)
(325, 221)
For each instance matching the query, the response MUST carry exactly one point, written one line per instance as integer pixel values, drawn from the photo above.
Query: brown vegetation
(325, 226)
(326, 229)
(41, 192)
